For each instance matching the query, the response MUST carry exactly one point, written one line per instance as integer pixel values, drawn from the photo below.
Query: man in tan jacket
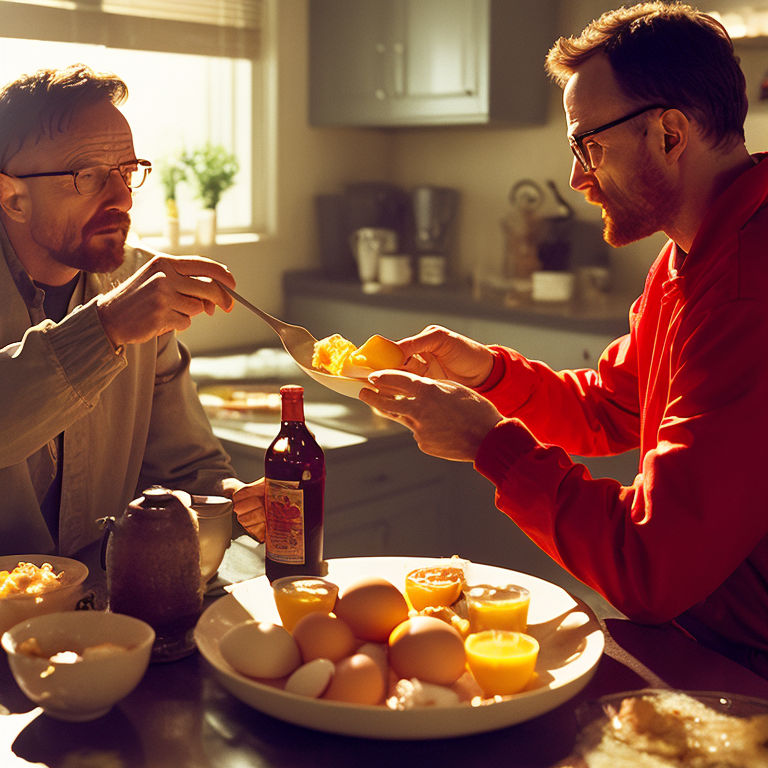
(97, 400)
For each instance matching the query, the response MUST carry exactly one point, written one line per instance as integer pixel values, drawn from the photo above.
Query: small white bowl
(65, 597)
(88, 688)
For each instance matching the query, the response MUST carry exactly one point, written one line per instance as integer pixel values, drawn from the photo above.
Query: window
(194, 75)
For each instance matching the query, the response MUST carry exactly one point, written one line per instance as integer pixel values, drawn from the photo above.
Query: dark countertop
(606, 316)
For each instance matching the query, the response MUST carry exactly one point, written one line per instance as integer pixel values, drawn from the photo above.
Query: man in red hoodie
(655, 104)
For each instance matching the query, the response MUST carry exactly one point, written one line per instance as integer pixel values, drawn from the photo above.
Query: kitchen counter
(608, 315)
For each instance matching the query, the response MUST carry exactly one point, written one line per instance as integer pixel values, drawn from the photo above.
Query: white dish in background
(570, 637)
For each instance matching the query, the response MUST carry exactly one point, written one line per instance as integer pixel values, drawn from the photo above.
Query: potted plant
(171, 173)
(212, 169)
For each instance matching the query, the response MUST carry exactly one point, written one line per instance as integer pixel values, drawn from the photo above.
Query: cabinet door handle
(381, 74)
(398, 64)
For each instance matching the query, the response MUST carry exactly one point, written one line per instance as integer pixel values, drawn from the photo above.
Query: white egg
(260, 649)
(311, 679)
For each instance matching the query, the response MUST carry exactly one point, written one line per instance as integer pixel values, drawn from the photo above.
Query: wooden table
(180, 717)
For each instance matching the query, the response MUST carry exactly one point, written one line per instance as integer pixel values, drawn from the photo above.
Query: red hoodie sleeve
(586, 412)
(698, 509)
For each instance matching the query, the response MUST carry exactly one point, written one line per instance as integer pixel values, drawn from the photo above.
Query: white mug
(395, 269)
(367, 244)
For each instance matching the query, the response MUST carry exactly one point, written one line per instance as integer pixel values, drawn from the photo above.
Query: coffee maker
(366, 205)
(433, 211)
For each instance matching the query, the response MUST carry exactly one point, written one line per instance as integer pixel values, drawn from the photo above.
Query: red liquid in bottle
(294, 469)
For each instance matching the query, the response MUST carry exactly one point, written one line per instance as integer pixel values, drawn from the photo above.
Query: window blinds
(230, 28)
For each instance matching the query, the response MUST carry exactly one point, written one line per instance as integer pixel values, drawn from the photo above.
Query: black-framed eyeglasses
(90, 181)
(581, 153)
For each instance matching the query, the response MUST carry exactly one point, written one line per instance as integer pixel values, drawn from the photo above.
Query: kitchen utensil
(299, 343)
(569, 635)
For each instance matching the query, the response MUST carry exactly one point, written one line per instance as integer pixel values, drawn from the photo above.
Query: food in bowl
(83, 661)
(340, 357)
(671, 729)
(15, 605)
(29, 579)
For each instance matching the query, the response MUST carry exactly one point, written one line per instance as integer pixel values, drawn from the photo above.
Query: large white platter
(570, 637)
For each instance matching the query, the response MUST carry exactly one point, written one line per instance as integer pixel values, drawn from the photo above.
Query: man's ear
(676, 128)
(14, 200)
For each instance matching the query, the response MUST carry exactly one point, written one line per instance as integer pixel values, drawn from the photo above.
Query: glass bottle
(294, 471)
(152, 558)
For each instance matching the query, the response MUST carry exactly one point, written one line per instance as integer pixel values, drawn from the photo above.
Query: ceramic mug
(395, 269)
(367, 244)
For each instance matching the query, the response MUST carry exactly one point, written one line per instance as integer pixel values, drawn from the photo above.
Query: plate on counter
(569, 634)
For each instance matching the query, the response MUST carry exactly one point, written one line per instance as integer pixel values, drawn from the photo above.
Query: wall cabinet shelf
(395, 63)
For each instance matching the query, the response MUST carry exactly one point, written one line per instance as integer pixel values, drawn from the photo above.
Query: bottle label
(284, 502)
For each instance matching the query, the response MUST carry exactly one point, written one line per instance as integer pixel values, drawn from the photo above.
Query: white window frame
(220, 33)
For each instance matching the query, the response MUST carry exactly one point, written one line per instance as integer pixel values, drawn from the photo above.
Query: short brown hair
(43, 103)
(669, 54)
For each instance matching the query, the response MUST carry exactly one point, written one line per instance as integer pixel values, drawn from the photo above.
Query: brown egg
(357, 680)
(428, 649)
(322, 636)
(372, 607)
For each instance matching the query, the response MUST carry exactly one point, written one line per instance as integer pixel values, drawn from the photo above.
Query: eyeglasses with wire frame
(581, 153)
(90, 181)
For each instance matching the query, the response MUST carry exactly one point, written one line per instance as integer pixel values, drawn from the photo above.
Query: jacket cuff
(502, 447)
(86, 354)
(512, 380)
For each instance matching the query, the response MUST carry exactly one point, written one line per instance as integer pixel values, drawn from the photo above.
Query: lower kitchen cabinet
(388, 501)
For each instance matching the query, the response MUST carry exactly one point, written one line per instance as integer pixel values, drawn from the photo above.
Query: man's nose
(118, 191)
(579, 177)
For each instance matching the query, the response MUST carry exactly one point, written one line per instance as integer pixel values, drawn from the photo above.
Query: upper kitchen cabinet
(428, 62)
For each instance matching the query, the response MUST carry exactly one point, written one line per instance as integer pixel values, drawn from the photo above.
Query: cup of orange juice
(296, 596)
(502, 662)
(497, 607)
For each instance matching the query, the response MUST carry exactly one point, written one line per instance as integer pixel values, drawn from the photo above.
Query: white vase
(205, 233)
(171, 233)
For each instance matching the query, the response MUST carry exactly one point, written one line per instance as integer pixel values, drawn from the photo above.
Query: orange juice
(504, 607)
(296, 596)
(501, 661)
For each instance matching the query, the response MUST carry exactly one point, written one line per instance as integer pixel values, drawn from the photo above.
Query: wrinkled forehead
(95, 132)
(592, 95)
